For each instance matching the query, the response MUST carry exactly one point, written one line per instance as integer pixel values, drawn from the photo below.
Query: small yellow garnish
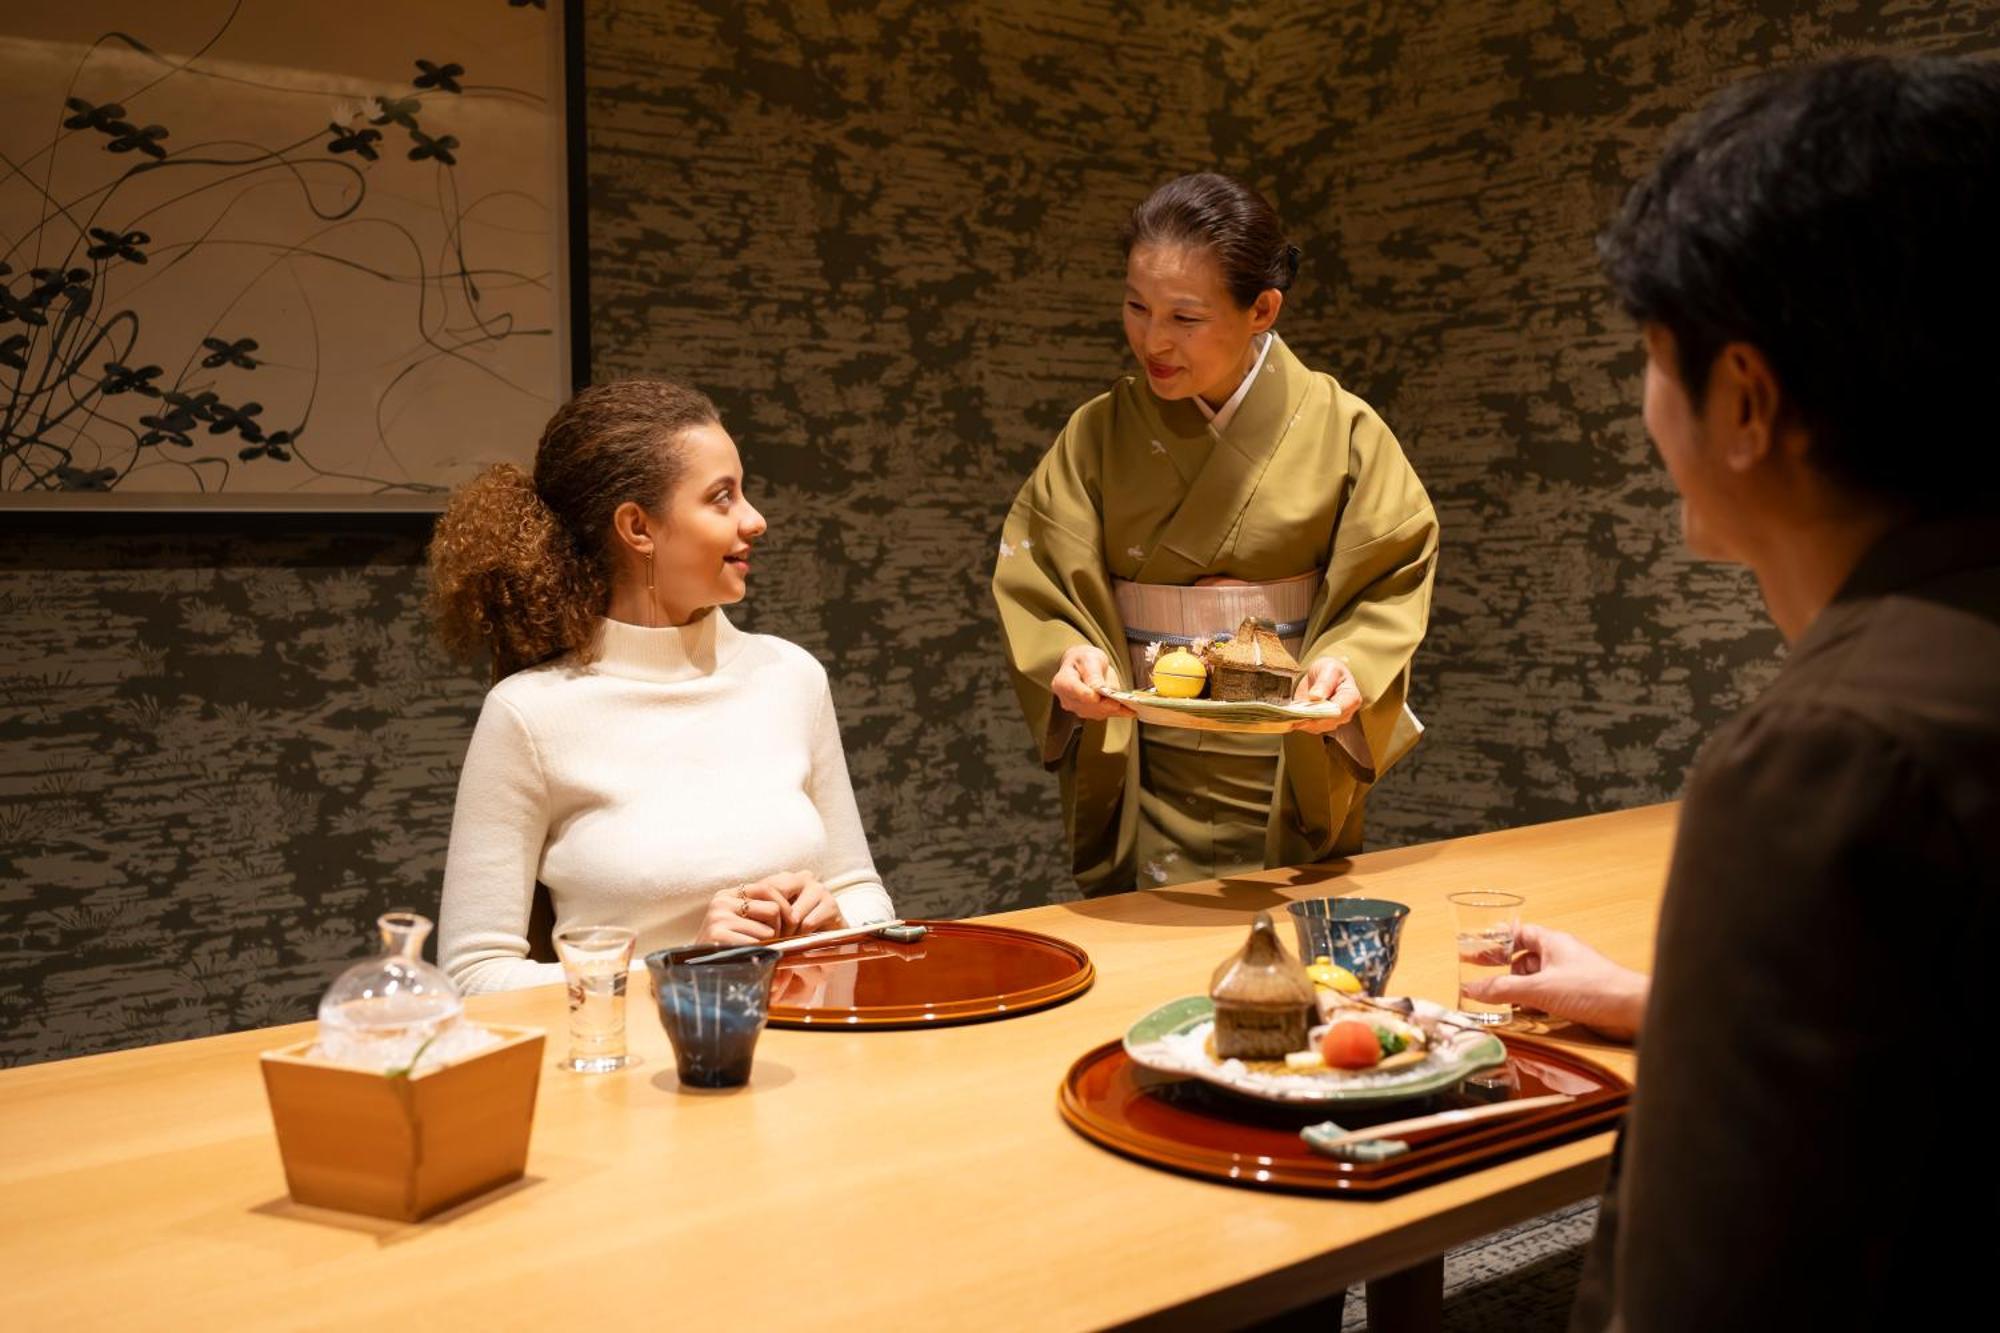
(1329, 975)
(1179, 675)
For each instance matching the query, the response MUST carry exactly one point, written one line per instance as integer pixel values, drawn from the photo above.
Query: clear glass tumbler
(595, 962)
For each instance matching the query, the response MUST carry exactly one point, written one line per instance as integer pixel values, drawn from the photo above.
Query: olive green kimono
(1305, 477)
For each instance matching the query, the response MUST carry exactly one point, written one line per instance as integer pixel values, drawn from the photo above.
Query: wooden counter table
(894, 1179)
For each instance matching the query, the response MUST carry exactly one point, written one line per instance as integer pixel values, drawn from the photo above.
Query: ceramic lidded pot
(1263, 999)
(1252, 665)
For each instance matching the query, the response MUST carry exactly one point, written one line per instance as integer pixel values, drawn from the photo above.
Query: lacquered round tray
(959, 972)
(1185, 1125)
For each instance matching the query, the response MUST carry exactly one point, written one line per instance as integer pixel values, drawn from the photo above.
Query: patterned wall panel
(221, 756)
(883, 236)
(1448, 165)
(885, 239)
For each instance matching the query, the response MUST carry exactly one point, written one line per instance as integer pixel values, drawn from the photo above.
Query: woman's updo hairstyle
(521, 567)
(1225, 217)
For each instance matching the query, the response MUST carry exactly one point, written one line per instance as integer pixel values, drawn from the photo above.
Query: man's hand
(1566, 978)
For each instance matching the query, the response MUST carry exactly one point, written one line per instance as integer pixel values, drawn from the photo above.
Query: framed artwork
(263, 255)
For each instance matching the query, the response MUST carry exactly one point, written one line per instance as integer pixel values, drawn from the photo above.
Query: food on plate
(1350, 1044)
(1372, 1042)
(1400, 1039)
(1329, 975)
(1251, 666)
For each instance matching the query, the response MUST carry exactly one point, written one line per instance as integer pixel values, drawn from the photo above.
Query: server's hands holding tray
(1247, 682)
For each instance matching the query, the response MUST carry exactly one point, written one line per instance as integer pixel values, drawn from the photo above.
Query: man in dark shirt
(1815, 266)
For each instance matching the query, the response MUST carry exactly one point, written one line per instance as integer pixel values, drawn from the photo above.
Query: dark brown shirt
(1807, 1148)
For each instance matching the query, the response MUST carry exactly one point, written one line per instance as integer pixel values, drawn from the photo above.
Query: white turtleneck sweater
(676, 764)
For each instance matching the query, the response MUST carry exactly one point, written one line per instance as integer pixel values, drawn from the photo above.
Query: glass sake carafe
(381, 1013)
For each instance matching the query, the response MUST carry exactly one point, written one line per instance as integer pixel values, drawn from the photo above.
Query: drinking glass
(595, 960)
(1362, 935)
(1486, 924)
(713, 1012)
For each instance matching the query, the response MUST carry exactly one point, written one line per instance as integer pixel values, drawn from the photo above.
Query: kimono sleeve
(1049, 573)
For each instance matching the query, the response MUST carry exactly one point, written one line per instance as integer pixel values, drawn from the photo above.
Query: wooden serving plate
(1184, 1125)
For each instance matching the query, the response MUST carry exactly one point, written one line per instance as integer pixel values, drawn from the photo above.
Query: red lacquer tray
(1189, 1126)
(958, 972)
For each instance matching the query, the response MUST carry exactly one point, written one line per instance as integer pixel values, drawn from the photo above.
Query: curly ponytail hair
(521, 568)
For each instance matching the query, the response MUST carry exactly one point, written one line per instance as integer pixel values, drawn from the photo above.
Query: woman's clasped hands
(777, 906)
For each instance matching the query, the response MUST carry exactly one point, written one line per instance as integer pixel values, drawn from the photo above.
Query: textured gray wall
(883, 237)
(885, 240)
(226, 745)
(1449, 165)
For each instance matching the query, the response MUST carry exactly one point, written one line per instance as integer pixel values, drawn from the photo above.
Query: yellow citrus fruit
(1179, 675)
(1329, 975)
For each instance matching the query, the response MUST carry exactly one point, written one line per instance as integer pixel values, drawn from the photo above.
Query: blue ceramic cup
(1360, 934)
(712, 1011)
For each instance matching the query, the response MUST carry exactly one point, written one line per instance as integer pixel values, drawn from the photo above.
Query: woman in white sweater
(652, 765)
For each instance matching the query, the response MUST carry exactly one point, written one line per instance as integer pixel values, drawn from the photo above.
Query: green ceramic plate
(1173, 1039)
(1218, 714)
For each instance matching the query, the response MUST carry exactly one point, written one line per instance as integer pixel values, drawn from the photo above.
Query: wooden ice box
(401, 1147)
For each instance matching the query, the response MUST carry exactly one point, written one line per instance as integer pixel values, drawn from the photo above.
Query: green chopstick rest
(1326, 1137)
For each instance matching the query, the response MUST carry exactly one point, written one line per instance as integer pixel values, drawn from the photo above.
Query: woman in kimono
(1226, 478)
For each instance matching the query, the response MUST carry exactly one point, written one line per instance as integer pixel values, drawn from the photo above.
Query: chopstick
(736, 951)
(1443, 1118)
